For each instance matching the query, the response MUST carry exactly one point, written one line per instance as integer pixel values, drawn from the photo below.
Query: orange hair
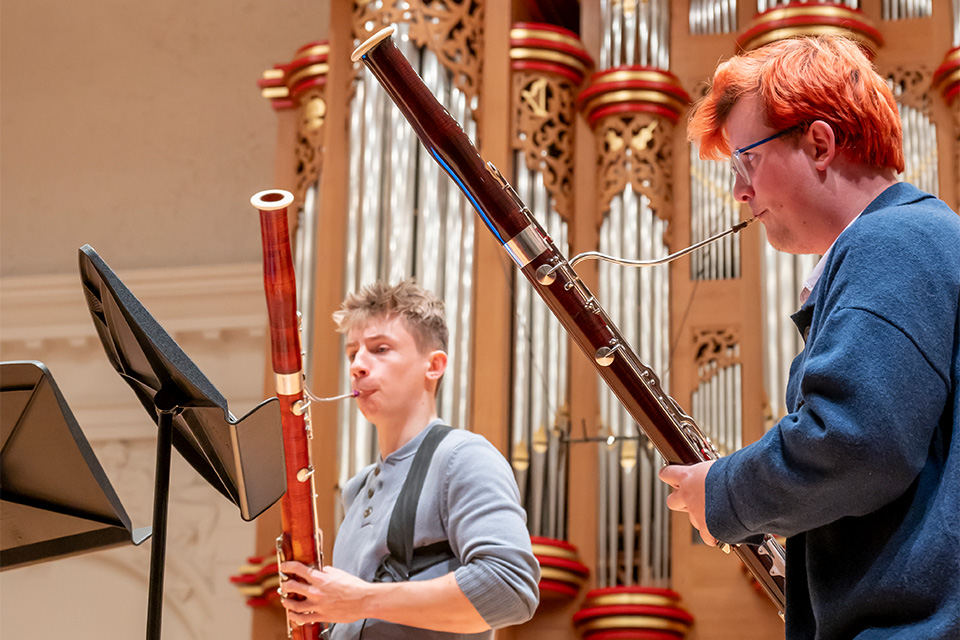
(801, 80)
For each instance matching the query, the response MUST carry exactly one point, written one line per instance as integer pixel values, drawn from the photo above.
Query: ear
(821, 144)
(437, 364)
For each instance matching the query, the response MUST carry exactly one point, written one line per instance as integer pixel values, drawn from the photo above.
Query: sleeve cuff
(722, 518)
(499, 607)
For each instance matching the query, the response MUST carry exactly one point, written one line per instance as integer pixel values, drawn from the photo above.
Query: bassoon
(675, 434)
(300, 539)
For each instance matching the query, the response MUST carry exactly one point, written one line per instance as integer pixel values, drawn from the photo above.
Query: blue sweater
(863, 476)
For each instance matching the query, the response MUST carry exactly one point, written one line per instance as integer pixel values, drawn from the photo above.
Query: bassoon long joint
(637, 387)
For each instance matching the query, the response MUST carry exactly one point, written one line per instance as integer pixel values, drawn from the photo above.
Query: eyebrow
(379, 336)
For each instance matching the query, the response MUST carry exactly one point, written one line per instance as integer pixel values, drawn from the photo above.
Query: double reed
(674, 433)
(300, 539)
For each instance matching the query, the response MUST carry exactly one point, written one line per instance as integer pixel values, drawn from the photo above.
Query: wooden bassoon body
(301, 537)
(675, 434)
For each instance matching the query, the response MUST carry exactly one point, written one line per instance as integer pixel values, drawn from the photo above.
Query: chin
(780, 244)
(791, 247)
(367, 410)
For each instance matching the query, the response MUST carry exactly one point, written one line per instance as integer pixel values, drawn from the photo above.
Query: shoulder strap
(403, 519)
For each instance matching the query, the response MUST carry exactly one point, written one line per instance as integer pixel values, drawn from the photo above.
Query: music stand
(242, 459)
(56, 500)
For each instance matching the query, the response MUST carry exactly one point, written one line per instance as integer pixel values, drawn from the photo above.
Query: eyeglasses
(738, 168)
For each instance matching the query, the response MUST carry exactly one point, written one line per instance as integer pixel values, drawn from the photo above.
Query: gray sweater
(470, 499)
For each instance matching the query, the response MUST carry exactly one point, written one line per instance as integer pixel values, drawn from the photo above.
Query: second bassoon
(300, 537)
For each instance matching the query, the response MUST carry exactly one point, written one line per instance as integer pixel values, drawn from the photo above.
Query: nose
(742, 192)
(359, 367)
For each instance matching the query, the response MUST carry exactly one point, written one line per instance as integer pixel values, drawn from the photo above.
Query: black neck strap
(402, 521)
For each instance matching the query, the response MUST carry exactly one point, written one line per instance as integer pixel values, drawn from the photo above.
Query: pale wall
(138, 128)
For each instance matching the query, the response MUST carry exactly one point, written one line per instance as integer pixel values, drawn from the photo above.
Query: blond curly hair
(421, 311)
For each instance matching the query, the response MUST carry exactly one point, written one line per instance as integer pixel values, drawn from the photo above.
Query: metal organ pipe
(405, 221)
(540, 379)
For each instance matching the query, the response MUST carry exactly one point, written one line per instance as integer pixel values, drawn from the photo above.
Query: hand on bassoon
(327, 595)
(689, 495)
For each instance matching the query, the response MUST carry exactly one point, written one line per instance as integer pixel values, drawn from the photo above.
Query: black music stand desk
(242, 459)
(56, 501)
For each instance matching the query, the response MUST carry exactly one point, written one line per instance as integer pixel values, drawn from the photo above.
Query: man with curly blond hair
(863, 475)
(468, 567)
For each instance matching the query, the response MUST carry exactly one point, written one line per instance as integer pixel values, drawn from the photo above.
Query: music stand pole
(166, 410)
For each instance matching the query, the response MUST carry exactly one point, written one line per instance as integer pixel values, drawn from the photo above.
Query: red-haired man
(863, 476)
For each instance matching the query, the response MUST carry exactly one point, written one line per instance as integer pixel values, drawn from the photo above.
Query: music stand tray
(242, 459)
(55, 499)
